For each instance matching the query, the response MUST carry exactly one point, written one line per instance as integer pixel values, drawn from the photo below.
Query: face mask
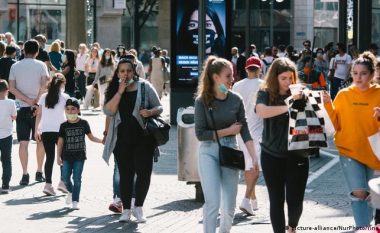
(120, 50)
(64, 58)
(210, 37)
(107, 57)
(222, 88)
(71, 117)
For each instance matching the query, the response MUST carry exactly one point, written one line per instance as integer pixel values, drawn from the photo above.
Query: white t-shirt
(341, 66)
(8, 109)
(29, 74)
(248, 89)
(52, 118)
(81, 61)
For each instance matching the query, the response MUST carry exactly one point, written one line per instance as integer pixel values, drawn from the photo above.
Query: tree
(140, 10)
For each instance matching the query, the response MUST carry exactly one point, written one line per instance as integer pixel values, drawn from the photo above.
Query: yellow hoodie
(352, 116)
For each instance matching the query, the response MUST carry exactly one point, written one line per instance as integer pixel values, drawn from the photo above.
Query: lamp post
(271, 3)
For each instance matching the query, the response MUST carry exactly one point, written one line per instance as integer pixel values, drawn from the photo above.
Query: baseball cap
(253, 61)
(72, 102)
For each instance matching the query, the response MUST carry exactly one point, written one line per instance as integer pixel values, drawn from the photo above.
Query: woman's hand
(37, 136)
(326, 97)
(145, 113)
(255, 165)
(122, 86)
(59, 160)
(376, 111)
(235, 128)
(298, 96)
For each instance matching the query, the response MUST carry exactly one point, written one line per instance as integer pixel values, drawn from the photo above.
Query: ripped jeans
(357, 176)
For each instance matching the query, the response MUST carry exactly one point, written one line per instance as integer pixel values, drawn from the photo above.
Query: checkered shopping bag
(306, 124)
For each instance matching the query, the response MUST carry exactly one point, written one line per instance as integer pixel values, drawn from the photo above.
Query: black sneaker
(39, 177)
(5, 189)
(24, 180)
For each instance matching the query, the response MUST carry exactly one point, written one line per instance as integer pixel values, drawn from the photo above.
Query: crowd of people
(240, 101)
(44, 92)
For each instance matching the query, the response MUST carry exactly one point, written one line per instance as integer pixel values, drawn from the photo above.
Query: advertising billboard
(185, 41)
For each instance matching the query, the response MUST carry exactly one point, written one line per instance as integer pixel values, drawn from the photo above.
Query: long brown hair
(271, 84)
(213, 65)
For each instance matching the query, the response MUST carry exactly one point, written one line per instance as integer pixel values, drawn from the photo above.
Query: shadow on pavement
(33, 200)
(51, 214)
(104, 223)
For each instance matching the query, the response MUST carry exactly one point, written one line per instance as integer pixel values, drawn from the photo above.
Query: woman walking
(285, 172)
(126, 137)
(227, 108)
(355, 114)
(104, 74)
(156, 72)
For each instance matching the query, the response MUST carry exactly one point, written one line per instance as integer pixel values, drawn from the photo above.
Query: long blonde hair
(271, 84)
(213, 65)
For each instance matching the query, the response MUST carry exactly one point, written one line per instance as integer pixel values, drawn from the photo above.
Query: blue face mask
(222, 88)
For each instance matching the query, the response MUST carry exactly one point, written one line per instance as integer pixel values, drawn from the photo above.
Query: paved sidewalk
(170, 205)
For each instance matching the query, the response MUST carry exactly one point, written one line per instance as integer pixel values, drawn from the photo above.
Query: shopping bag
(306, 126)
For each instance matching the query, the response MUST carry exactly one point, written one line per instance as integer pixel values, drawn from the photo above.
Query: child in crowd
(71, 150)
(8, 113)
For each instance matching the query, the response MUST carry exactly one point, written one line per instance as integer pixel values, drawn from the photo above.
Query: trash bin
(188, 148)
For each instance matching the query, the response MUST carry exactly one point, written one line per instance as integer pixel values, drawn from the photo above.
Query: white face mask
(64, 58)
(72, 117)
(107, 57)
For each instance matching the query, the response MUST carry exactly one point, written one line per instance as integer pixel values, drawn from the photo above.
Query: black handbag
(155, 126)
(228, 157)
(102, 80)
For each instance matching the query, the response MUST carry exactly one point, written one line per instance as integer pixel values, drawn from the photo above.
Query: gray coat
(151, 101)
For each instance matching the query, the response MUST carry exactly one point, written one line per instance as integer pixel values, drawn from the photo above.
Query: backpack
(267, 65)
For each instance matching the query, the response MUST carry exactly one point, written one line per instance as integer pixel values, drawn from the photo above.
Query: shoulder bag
(155, 125)
(228, 157)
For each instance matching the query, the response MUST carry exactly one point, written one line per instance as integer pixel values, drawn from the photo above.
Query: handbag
(155, 126)
(228, 157)
(102, 80)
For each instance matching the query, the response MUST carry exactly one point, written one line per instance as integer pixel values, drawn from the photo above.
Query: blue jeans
(6, 161)
(116, 181)
(75, 168)
(357, 176)
(219, 186)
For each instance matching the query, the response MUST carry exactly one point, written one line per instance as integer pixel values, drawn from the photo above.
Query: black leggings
(134, 159)
(49, 139)
(285, 178)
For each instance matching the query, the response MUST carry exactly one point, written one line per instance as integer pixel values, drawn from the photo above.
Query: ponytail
(54, 89)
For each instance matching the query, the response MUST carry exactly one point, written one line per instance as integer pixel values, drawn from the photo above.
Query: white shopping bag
(374, 141)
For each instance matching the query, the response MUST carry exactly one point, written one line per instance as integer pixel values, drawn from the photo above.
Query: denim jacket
(151, 101)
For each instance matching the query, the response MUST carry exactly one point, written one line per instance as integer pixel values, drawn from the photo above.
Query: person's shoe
(254, 204)
(69, 198)
(116, 206)
(125, 216)
(75, 205)
(24, 180)
(39, 177)
(62, 187)
(5, 189)
(49, 190)
(246, 207)
(137, 212)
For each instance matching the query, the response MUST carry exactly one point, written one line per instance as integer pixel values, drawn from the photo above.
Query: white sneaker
(138, 214)
(75, 205)
(246, 207)
(69, 198)
(254, 204)
(125, 216)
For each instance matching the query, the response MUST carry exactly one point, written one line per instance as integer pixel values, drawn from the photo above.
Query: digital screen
(185, 47)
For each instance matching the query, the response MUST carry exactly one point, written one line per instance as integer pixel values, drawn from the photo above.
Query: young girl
(71, 150)
(50, 115)
(285, 172)
(355, 114)
(8, 113)
(219, 183)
